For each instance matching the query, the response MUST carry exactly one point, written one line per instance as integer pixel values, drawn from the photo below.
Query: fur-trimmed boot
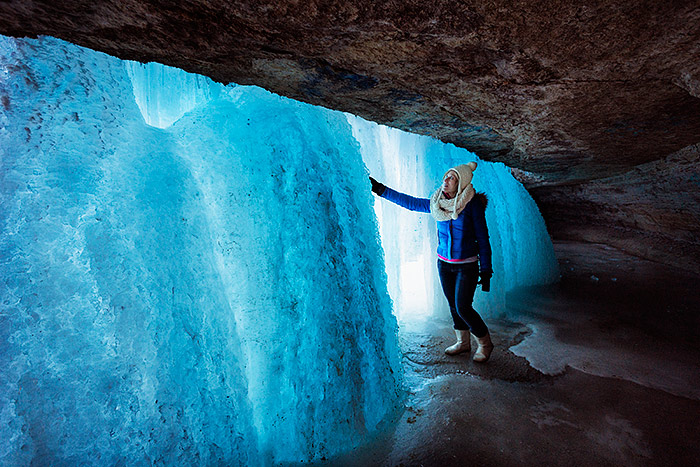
(463, 343)
(483, 352)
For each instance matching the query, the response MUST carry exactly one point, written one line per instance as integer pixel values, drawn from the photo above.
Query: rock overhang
(568, 91)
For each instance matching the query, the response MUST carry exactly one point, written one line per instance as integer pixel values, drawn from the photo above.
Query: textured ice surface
(522, 249)
(212, 292)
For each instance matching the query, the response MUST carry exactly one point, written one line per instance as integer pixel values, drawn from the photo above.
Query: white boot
(463, 343)
(483, 352)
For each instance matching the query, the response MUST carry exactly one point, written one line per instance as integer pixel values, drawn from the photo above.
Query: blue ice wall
(212, 292)
(522, 249)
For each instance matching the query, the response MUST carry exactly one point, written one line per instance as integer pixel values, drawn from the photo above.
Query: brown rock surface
(652, 211)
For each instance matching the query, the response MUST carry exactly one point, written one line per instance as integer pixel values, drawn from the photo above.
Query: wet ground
(601, 370)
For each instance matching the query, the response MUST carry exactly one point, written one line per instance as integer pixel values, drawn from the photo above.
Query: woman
(464, 252)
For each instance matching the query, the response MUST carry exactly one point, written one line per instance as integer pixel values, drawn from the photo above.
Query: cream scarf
(443, 209)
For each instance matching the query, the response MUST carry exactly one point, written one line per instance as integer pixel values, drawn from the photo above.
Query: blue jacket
(461, 238)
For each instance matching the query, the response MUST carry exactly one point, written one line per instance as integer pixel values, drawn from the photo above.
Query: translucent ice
(164, 94)
(522, 249)
(209, 293)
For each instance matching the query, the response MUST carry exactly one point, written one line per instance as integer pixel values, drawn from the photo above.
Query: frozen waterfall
(208, 292)
(192, 273)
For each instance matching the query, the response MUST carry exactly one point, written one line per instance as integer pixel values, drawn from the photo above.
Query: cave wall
(652, 211)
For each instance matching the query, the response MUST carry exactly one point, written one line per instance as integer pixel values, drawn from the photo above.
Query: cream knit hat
(465, 173)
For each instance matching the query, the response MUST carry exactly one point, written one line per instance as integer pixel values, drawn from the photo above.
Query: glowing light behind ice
(522, 250)
(164, 94)
(208, 293)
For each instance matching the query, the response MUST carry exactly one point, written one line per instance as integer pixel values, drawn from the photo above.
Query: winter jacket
(458, 239)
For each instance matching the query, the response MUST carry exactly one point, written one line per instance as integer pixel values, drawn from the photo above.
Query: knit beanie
(465, 173)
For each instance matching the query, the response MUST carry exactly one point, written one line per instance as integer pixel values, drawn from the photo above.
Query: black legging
(459, 284)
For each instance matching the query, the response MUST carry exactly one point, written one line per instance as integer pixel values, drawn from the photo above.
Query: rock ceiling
(568, 90)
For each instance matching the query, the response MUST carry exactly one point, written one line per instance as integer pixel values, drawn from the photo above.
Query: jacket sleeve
(405, 201)
(482, 236)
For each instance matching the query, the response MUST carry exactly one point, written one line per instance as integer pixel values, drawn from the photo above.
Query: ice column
(117, 345)
(208, 293)
(522, 250)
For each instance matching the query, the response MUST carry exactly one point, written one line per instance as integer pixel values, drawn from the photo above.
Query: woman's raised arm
(405, 201)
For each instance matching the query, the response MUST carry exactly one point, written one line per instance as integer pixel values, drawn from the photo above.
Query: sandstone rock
(652, 211)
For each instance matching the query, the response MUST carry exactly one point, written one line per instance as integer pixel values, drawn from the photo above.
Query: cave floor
(582, 374)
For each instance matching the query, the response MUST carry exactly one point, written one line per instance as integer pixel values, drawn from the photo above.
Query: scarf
(444, 209)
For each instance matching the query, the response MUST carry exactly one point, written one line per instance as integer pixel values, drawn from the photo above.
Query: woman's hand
(485, 280)
(377, 187)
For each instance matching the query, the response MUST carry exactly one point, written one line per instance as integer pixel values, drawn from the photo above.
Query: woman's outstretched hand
(377, 187)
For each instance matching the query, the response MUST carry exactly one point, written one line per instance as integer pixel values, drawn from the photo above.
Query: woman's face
(450, 183)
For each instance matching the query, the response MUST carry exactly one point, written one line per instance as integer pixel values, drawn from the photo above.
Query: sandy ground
(601, 370)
